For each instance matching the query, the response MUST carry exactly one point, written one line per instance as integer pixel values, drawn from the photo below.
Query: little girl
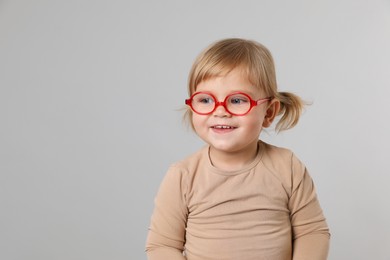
(238, 197)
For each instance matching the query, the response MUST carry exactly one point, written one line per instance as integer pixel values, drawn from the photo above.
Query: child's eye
(205, 100)
(238, 100)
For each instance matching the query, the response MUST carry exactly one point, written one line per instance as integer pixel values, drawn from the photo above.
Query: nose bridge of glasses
(224, 110)
(220, 104)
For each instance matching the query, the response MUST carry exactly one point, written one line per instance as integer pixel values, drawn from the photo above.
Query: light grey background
(90, 93)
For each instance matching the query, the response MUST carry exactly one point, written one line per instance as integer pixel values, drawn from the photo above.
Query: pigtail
(291, 108)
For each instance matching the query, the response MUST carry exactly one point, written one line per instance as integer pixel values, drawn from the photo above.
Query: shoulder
(277, 158)
(284, 164)
(181, 174)
(275, 154)
(189, 165)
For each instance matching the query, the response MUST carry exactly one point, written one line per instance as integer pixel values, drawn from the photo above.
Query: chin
(225, 147)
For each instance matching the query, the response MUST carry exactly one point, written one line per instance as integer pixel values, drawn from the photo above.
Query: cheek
(255, 124)
(255, 121)
(198, 122)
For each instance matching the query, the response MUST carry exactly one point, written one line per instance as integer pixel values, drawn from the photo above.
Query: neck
(235, 160)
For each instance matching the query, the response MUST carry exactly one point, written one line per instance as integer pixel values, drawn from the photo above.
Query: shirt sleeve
(310, 231)
(166, 236)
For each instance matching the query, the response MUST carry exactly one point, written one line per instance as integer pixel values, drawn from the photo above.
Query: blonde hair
(257, 63)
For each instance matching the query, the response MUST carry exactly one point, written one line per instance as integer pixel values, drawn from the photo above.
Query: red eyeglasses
(237, 104)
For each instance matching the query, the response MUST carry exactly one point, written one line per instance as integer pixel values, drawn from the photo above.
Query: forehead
(235, 80)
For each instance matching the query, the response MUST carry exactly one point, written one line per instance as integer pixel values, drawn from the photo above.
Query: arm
(310, 230)
(311, 247)
(166, 235)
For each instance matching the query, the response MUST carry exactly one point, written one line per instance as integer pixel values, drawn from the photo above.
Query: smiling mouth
(223, 127)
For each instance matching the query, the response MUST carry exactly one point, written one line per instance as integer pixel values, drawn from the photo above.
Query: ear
(272, 111)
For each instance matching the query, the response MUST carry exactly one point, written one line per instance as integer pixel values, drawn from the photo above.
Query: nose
(220, 110)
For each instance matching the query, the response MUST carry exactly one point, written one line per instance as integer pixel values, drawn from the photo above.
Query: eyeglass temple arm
(260, 101)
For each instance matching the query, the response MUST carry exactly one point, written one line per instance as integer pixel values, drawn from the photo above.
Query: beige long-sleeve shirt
(267, 210)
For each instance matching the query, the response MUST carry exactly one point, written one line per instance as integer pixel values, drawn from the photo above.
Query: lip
(223, 128)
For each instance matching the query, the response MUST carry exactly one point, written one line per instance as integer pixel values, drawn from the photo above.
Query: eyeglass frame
(217, 103)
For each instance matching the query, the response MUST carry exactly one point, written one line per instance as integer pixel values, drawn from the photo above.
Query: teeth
(222, 127)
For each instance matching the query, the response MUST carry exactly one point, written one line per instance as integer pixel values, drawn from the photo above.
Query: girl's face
(226, 133)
